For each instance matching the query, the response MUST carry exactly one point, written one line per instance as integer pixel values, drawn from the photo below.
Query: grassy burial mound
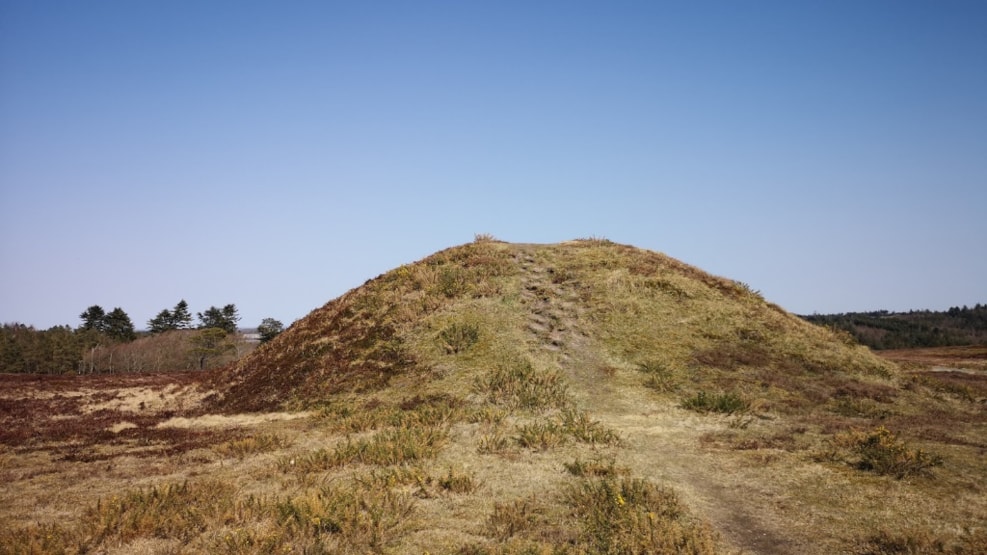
(582, 397)
(563, 308)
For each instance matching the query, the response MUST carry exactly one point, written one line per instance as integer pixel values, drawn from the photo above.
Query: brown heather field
(498, 398)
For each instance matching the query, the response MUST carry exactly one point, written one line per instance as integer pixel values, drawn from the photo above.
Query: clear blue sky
(832, 154)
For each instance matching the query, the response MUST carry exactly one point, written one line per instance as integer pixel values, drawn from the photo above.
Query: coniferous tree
(94, 318)
(178, 318)
(161, 323)
(223, 318)
(118, 325)
(269, 328)
(181, 317)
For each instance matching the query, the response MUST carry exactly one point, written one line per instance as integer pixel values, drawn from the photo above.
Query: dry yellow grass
(501, 398)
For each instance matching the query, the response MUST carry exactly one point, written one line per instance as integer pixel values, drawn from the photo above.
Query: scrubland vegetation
(106, 343)
(915, 329)
(585, 397)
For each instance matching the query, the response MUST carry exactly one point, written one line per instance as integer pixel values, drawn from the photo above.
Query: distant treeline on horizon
(881, 329)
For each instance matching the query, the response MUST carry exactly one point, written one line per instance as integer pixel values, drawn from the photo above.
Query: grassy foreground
(585, 397)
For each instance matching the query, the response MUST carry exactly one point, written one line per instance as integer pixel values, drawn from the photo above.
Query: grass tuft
(510, 519)
(494, 443)
(457, 482)
(362, 518)
(596, 468)
(251, 445)
(457, 337)
(518, 385)
(725, 403)
(635, 516)
(384, 448)
(660, 377)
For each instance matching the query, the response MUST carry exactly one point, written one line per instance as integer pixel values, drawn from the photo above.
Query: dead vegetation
(585, 397)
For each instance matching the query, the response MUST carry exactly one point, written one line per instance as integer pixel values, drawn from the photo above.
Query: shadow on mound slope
(357, 342)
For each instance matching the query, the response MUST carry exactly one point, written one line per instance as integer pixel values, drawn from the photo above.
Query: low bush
(880, 451)
(556, 431)
(494, 443)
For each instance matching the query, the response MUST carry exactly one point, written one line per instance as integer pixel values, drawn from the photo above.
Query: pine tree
(222, 318)
(162, 322)
(181, 317)
(269, 328)
(94, 318)
(118, 325)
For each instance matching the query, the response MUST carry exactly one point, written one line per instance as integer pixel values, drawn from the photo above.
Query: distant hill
(903, 330)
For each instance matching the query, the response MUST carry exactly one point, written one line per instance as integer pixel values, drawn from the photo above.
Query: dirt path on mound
(661, 442)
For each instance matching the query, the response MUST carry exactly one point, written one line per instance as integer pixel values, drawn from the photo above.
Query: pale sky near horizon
(833, 155)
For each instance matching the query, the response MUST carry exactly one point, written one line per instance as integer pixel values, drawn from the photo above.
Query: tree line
(107, 342)
(917, 328)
